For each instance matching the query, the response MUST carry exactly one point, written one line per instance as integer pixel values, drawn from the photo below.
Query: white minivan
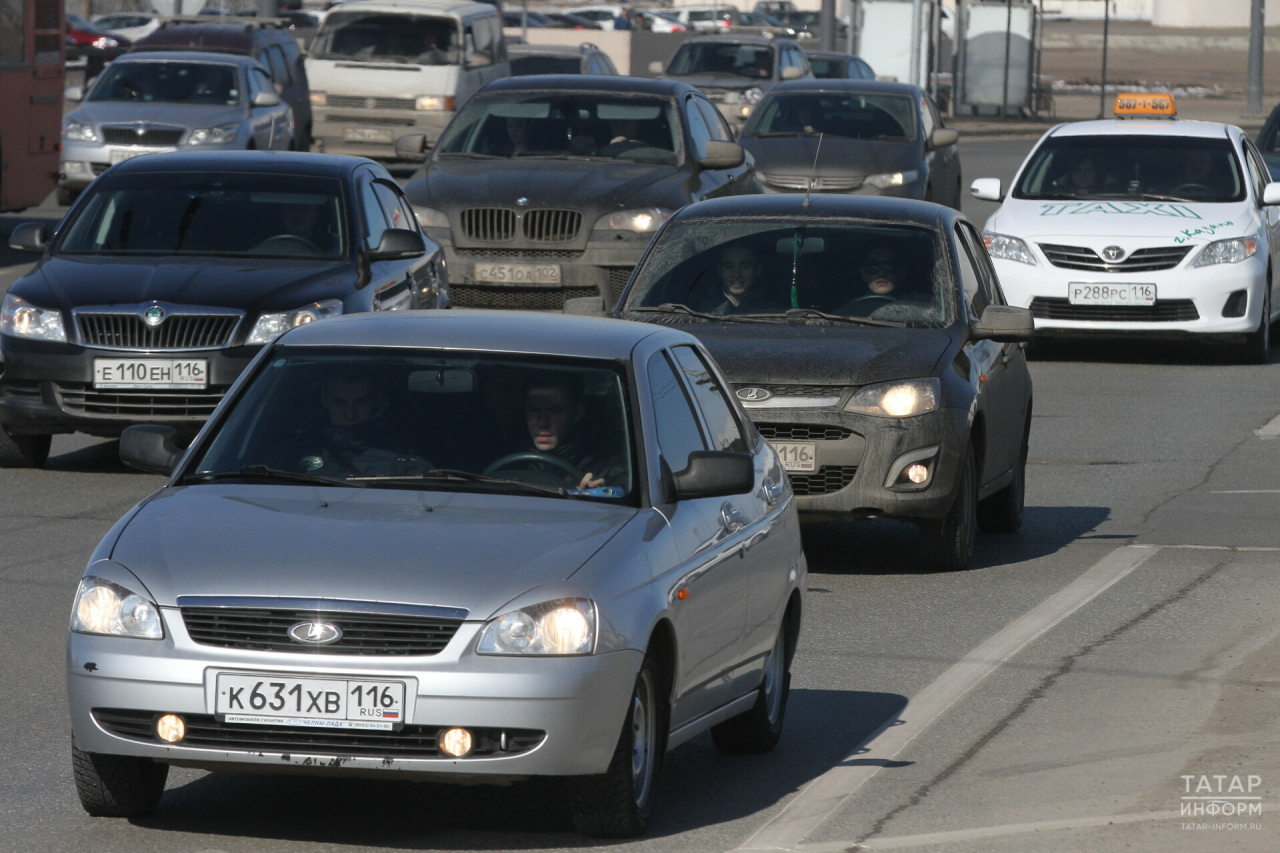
(380, 69)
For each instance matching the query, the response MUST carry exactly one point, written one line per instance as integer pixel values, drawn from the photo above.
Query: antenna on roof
(809, 185)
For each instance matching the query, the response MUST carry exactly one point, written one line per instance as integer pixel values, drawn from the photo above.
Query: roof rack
(586, 45)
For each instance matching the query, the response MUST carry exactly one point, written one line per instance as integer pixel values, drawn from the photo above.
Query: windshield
(522, 66)
(384, 37)
(199, 213)
(564, 125)
(773, 270)
(1164, 168)
(828, 69)
(430, 420)
(854, 116)
(168, 82)
(754, 61)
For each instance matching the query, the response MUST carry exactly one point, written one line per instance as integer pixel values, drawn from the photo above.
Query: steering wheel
(1190, 186)
(513, 460)
(287, 238)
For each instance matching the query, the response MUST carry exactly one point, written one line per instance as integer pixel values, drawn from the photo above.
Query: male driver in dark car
(740, 271)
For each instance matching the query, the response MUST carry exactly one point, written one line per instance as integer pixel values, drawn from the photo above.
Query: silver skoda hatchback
(453, 545)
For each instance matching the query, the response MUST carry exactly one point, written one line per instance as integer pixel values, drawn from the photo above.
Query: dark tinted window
(678, 431)
(522, 66)
(739, 60)
(697, 127)
(970, 280)
(279, 68)
(375, 220)
(828, 69)
(168, 82)
(885, 117)
(716, 413)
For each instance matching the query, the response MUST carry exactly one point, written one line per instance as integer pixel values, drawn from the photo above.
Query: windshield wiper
(470, 155)
(677, 308)
(787, 133)
(801, 313)
(262, 472)
(465, 476)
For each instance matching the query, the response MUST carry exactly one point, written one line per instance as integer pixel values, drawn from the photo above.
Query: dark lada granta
(172, 270)
(870, 342)
(548, 188)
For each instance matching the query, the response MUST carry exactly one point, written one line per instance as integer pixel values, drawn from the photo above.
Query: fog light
(1236, 304)
(171, 728)
(456, 742)
(917, 473)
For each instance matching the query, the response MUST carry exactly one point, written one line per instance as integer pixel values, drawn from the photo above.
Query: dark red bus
(32, 56)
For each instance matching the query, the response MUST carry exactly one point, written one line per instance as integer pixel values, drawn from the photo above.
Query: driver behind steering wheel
(883, 272)
(553, 411)
(303, 221)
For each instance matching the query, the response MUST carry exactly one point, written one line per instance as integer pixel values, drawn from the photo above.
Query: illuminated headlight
(1227, 251)
(319, 99)
(271, 326)
(1008, 248)
(429, 217)
(104, 42)
(220, 135)
(24, 320)
(563, 627)
(434, 103)
(892, 179)
(897, 399)
(76, 167)
(103, 607)
(74, 131)
(752, 95)
(645, 219)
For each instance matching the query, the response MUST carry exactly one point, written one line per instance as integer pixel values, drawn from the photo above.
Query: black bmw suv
(547, 188)
(172, 270)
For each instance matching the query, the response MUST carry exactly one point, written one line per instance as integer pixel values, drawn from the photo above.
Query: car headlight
(752, 95)
(897, 399)
(429, 217)
(563, 627)
(319, 99)
(892, 179)
(103, 607)
(271, 326)
(434, 103)
(1008, 248)
(1231, 251)
(74, 131)
(643, 219)
(21, 319)
(220, 135)
(104, 42)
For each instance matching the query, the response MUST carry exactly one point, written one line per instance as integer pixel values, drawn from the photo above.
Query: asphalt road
(1065, 693)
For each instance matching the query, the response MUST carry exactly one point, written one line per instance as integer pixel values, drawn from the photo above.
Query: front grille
(382, 120)
(518, 298)
(205, 731)
(1142, 260)
(177, 331)
(21, 392)
(83, 399)
(827, 479)
(803, 432)
(829, 184)
(798, 390)
(266, 630)
(551, 226)
(618, 278)
(489, 224)
(359, 103)
(1163, 311)
(534, 255)
(149, 136)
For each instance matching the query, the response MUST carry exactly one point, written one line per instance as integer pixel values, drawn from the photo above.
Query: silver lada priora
(450, 546)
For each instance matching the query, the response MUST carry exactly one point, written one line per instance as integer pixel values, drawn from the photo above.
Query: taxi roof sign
(1140, 105)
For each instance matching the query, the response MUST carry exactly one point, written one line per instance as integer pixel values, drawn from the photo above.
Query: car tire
(23, 451)
(618, 802)
(117, 785)
(758, 729)
(1257, 347)
(1002, 512)
(948, 542)
(66, 196)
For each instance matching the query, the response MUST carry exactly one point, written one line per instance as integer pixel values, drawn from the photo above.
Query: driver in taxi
(553, 413)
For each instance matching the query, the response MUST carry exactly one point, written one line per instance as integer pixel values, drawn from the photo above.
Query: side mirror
(714, 474)
(944, 137)
(1271, 193)
(655, 67)
(723, 155)
(586, 306)
(412, 147)
(150, 448)
(987, 189)
(1004, 324)
(398, 244)
(266, 99)
(792, 72)
(74, 93)
(30, 237)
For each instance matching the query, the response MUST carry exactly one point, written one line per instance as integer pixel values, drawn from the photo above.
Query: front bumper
(576, 703)
(372, 133)
(48, 388)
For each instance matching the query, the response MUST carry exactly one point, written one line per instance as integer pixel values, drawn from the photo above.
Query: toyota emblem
(315, 633)
(754, 395)
(153, 316)
(1112, 253)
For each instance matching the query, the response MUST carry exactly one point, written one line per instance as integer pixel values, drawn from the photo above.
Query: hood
(248, 284)
(840, 156)
(721, 81)
(177, 115)
(1172, 223)
(795, 354)
(381, 79)
(448, 548)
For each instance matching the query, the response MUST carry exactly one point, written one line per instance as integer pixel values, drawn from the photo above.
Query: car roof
(486, 331)
(190, 56)
(462, 8)
(590, 82)
(822, 206)
(226, 36)
(291, 162)
(1143, 127)
(843, 85)
(575, 51)
(829, 54)
(734, 39)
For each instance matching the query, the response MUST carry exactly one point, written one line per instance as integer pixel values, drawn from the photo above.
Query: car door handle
(772, 491)
(731, 518)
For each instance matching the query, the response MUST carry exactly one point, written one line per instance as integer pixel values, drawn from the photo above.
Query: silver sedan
(450, 545)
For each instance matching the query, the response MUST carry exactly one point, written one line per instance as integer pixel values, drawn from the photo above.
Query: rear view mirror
(150, 448)
(586, 306)
(987, 189)
(74, 93)
(30, 237)
(655, 67)
(444, 380)
(1004, 324)
(809, 246)
(792, 72)
(398, 244)
(714, 474)
(723, 155)
(944, 137)
(412, 147)
(266, 99)
(1271, 193)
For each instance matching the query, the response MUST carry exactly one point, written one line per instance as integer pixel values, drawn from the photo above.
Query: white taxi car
(1141, 227)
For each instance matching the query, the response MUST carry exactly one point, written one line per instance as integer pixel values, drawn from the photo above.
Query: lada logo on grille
(1112, 253)
(315, 633)
(754, 395)
(153, 316)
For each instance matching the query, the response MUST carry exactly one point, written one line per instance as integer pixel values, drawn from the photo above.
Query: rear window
(168, 83)
(383, 37)
(522, 66)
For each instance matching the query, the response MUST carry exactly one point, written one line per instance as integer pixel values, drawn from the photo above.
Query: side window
(927, 123)
(698, 129)
(715, 121)
(607, 65)
(279, 68)
(497, 38)
(969, 279)
(791, 57)
(678, 431)
(726, 434)
(260, 82)
(375, 221)
(479, 40)
(986, 270)
(1257, 173)
(394, 208)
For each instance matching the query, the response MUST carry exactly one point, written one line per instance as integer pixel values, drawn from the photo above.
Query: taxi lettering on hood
(1120, 208)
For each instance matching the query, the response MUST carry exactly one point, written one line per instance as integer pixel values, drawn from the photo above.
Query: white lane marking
(826, 794)
(1270, 430)
(1248, 492)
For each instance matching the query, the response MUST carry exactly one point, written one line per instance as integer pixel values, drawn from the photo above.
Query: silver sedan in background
(463, 546)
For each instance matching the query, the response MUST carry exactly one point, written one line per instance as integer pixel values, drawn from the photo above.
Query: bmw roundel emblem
(315, 633)
(153, 316)
(522, 201)
(1112, 253)
(754, 395)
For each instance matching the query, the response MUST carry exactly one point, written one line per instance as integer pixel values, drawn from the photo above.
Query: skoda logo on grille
(141, 130)
(370, 103)
(153, 316)
(315, 633)
(754, 395)
(1112, 253)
